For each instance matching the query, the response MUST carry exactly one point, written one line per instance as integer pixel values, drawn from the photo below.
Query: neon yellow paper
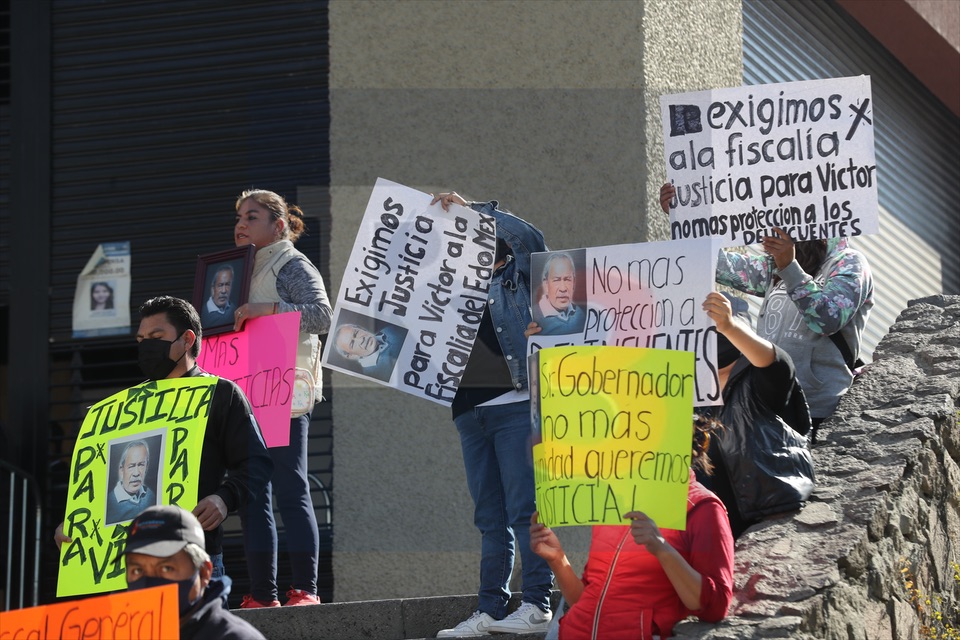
(616, 434)
(156, 431)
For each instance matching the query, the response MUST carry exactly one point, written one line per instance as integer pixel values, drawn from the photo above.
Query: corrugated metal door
(916, 139)
(5, 155)
(162, 113)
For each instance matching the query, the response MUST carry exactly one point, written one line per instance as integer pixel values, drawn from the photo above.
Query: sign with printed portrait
(139, 447)
(648, 294)
(413, 293)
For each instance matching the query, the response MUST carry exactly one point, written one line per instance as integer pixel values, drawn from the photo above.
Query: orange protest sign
(147, 614)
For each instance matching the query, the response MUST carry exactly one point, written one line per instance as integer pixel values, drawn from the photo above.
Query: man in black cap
(166, 545)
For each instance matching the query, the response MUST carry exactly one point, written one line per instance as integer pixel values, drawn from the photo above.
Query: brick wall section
(888, 492)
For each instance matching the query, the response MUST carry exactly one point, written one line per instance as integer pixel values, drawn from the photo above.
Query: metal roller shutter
(162, 112)
(916, 139)
(5, 156)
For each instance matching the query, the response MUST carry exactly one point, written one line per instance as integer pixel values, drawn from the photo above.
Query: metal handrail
(27, 485)
(317, 485)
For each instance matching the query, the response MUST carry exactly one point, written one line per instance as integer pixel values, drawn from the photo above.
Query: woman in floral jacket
(817, 296)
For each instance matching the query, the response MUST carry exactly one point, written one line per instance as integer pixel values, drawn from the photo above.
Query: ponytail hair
(291, 214)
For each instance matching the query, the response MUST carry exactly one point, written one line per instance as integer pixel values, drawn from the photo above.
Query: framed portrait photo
(222, 284)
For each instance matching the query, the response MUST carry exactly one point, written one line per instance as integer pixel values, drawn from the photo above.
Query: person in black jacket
(169, 342)
(165, 546)
(761, 462)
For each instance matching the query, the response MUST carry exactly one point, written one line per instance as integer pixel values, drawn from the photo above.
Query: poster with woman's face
(101, 297)
(101, 300)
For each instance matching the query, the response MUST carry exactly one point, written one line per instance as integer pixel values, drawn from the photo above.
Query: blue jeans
(217, 561)
(296, 506)
(498, 459)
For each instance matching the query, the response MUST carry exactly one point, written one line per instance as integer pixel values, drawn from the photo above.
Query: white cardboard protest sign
(798, 155)
(636, 295)
(413, 293)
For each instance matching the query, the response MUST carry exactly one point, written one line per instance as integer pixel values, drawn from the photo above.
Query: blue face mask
(184, 587)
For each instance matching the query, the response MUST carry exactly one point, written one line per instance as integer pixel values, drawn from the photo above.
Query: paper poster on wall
(136, 449)
(616, 434)
(797, 155)
(143, 614)
(647, 294)
(101, 302)
(413, 293)
(261, 359)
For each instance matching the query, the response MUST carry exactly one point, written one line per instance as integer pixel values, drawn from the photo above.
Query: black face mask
(154, 357)
(727, 354)
(184, 587)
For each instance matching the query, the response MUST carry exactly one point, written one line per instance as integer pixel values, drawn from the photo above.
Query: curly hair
(703, 428)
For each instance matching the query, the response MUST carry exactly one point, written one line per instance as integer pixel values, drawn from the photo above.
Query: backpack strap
(852, 364)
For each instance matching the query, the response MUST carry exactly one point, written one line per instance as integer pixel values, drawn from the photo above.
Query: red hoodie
(627, 595)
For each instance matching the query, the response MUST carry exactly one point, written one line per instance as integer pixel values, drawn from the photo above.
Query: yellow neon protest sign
(616, 434)
(136, 449)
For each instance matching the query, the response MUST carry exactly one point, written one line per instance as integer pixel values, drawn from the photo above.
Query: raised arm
(758, 351)
(686, 580)
(544, 543)
(828, 307)
(750, 274)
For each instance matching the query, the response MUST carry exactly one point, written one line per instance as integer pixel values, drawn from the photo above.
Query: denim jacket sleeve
(509, 297)
(522, 237)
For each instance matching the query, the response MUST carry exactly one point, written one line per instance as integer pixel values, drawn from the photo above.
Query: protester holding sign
(641, 588)
(235, 467)
(762, 465)
(165, 546)
(491, 410)
(817, 295)
(284, 280)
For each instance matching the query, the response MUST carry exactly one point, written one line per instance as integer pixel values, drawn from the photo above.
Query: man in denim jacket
(492, 413)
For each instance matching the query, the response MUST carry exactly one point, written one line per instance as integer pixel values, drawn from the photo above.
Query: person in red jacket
(639, 580)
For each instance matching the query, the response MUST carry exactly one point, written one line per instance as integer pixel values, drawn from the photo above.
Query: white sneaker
(476, 625)
(529, 618)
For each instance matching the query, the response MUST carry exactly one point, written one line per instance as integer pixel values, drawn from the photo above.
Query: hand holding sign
(780, 247)
(645, 531)
(211, 511)
(446, 198)
(543, 541)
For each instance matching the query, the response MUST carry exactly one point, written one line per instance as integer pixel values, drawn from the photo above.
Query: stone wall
(887, 497)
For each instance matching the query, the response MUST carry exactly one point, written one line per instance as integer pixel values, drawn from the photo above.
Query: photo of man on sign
(132, 481)
(558, 308)
(366, 345)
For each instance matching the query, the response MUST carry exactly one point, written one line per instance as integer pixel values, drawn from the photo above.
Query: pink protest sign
(261, 360)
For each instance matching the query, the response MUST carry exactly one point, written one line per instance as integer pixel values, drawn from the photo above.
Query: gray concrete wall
(550, 107)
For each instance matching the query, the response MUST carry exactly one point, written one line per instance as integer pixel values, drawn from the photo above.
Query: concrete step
(404, 619)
